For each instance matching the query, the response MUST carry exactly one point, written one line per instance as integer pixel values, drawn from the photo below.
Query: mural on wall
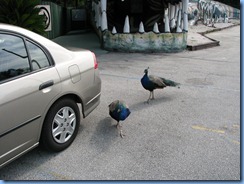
(211, 12)
(152, 25)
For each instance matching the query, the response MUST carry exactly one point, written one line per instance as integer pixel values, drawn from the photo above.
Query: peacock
(119, 111)
(150, 83)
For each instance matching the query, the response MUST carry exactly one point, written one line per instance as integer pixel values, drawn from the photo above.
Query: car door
(28, 82)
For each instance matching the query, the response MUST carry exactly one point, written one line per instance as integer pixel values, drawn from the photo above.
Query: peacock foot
(146, 102)
(122, 135)
(118, 126)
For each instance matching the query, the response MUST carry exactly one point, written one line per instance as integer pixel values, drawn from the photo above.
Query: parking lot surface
(191, 133)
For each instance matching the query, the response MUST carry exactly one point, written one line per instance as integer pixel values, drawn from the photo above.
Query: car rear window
(13, 57)
(38, 58)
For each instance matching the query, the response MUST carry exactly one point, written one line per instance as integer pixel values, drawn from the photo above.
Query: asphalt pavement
(191, 133)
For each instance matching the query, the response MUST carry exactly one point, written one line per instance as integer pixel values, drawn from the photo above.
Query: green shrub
(22, 13)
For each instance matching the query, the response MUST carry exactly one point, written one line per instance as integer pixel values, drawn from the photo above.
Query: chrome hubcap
(63, 125)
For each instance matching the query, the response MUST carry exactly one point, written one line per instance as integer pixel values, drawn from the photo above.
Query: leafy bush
(22, 13)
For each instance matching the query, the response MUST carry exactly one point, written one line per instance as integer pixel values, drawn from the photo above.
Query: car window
(39, 59)
(13, 57)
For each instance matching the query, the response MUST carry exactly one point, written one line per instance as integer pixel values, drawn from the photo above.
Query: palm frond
(22, 13)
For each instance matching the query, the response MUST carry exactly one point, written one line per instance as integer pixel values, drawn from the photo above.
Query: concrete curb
(213, 42)
(203, 46)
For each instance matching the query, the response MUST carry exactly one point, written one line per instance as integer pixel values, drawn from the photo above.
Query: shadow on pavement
(80, 40)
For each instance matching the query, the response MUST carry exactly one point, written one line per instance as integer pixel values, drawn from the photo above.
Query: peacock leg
(121, 133)
(149, 97)
(119, 127)
(152, 95)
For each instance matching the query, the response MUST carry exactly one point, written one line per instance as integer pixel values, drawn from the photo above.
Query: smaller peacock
(151, 82)
(119, 111)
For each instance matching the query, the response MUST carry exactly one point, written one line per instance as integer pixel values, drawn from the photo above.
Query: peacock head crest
(146, 70)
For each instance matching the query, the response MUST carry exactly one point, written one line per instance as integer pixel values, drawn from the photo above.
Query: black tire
(61, 125)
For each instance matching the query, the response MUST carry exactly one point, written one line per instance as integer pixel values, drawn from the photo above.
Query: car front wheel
(61, 125)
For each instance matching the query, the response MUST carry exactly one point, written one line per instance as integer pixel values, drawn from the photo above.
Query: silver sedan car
(44, 89)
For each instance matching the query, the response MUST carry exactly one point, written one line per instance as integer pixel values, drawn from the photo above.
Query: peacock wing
(157, 81)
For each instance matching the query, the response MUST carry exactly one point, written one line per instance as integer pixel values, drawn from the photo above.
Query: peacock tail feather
(168, 82)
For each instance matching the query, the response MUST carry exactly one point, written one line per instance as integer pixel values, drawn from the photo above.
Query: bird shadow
(144, 104)
(105, 134)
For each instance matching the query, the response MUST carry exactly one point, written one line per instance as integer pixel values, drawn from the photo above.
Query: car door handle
(46, 84)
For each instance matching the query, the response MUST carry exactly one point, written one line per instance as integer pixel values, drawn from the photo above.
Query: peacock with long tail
(151, 82)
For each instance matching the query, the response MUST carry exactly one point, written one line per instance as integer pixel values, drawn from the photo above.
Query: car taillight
(95, 61)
